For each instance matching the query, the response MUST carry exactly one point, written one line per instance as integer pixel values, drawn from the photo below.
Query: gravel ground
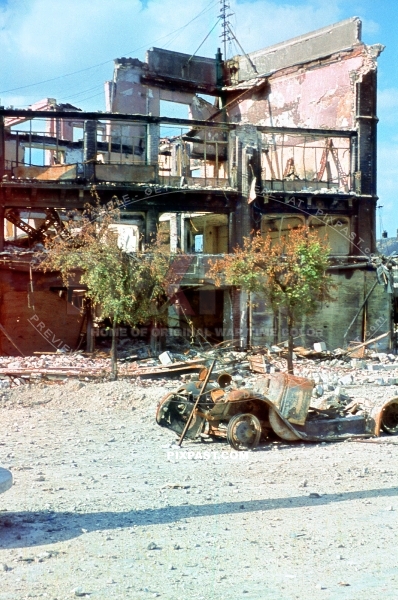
(103, 507)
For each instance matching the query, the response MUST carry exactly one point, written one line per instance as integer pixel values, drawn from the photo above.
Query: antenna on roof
(225, 24)
(227, 34)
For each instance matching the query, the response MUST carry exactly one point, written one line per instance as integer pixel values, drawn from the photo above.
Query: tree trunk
(114, 352)
(290, 345)
(90, 339)
(155, 337)
(250, 320)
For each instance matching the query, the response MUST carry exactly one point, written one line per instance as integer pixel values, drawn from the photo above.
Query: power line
(22, 87)
(179, 31)
(201, 44)
(253, 66)
(225, 32)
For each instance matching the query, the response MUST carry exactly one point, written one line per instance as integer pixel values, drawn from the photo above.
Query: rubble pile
(19, 370)
(331, 372)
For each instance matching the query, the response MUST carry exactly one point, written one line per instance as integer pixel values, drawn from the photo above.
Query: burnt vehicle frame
(279, 406)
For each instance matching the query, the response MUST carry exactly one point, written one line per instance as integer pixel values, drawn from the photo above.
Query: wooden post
(2, 225)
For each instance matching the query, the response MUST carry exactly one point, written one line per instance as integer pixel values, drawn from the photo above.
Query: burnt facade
(281, 137)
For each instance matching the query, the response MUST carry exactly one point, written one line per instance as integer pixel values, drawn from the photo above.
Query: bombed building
(268, 141)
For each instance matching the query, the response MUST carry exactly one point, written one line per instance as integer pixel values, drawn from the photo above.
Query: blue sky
(69, 45)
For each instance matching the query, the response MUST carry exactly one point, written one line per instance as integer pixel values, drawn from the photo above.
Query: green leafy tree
(289, 273)
(128, 288)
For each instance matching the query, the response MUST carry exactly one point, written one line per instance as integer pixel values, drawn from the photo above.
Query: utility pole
(225, 13)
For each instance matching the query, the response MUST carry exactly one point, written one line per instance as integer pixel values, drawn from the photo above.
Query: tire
(389, 419)
(244, 432)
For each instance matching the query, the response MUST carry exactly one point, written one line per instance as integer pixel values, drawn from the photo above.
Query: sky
(64, 49)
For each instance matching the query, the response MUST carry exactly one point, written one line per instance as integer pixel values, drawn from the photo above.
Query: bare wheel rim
(244, 432)
(389, 421)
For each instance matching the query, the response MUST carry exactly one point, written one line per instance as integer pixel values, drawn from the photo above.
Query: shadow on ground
(27, 529)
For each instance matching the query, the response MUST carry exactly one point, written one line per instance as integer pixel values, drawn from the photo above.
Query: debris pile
(331, 371)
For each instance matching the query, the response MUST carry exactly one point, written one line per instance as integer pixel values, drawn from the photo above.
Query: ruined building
(280, 137)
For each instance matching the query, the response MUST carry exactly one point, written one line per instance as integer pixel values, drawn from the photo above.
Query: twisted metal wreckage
(280, 405)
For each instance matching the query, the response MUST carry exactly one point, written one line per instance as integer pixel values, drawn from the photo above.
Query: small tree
(126, 287)
(289, 273)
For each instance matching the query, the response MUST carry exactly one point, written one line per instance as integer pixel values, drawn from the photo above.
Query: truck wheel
(389, 420)
(244, 432)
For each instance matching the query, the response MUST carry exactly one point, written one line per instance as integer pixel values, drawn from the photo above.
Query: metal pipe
(360, 308)
(95, 116)
(202, 390)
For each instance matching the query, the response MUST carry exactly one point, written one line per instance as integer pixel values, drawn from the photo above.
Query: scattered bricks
(382, 356)
(320, 347)
(382, 367)
(346, 380)
(339, 391)
(357, 364)
(339, 352)
(13, 365)
(318, 391)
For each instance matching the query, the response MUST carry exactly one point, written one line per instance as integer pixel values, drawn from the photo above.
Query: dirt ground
(104, 507)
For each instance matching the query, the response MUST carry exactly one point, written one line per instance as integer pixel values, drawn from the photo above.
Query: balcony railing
(121, 149)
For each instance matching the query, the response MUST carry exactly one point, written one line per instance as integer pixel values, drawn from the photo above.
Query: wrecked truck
(280, 406)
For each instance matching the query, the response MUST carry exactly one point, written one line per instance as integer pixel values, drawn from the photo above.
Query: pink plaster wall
(317, 97)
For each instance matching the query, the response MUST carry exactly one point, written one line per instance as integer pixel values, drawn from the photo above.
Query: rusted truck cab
(280, 405)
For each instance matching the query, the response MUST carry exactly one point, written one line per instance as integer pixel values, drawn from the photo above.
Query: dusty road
(103, 507)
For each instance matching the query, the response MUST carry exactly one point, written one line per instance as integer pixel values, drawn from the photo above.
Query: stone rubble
(102, 506)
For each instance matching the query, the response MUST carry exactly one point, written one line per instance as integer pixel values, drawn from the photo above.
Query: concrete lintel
(146, 119)
(304, 48)
(197, 69)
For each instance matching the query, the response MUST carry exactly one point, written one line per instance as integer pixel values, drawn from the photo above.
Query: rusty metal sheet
(258, 363)
(53, 173)
(126, 173)
(384, 417)
(291, 395)
(173, 412)
(238, 395)
(281, 428)
(217, 395)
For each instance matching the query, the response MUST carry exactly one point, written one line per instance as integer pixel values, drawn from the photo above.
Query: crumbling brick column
(151, 225)
(90, 149)
(247, 168)
(366, 184)
(152, 144)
